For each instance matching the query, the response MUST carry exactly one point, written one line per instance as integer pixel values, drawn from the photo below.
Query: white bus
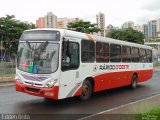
(58, 63)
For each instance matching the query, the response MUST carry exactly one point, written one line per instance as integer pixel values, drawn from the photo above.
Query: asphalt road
(12, 102)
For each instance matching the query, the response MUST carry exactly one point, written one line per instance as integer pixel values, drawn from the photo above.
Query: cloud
(91, 18)
(153, 5)
(144, 18)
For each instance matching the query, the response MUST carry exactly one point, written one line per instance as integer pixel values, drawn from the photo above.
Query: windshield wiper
(29, 45)
(44, 45)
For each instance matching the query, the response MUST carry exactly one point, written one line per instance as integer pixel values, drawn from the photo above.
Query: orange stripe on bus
(89, 36)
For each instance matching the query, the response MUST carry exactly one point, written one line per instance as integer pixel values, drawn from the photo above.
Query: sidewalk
(128, 111)
(6, 81)
(7, 84)
(156, 69)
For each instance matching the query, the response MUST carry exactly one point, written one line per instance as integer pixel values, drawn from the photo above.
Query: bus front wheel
(86, 90)
(134, 81)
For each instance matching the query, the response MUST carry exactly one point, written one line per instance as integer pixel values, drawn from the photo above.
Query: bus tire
(134, 81)
(86, 90)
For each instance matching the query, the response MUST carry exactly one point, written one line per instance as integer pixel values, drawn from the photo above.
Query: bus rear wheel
(134, 81)
(86, 90)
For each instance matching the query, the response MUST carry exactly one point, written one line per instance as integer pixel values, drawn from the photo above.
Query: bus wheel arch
(134, 80)
(87, 88)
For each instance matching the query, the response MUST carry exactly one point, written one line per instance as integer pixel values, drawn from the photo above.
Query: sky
(116, 11)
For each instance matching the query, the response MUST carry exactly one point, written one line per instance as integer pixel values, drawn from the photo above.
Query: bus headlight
(18, 79)
(51, 83)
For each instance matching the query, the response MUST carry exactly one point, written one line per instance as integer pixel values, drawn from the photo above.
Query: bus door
(69, 77)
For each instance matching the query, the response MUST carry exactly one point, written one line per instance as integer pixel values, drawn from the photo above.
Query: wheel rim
(85, 90)
(134, 82)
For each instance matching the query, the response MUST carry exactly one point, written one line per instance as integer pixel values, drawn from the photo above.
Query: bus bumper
(51, 93)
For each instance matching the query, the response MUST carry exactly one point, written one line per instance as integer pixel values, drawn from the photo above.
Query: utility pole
(1, 45)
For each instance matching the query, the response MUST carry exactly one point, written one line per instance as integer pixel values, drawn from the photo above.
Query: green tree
(10, 31)
(129, 35)
(83, 26)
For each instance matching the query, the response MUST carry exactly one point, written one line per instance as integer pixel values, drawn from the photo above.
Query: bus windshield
(38, 57)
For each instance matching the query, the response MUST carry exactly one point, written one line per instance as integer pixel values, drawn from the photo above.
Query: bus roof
(74, 34)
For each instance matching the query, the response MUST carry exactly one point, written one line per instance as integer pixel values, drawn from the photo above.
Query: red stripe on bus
(78, 92)
(118, 79)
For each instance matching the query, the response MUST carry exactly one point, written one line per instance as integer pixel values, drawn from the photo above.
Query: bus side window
(135, 54)
(102, 52)
(149, 55)
(126, 54)
(115, 53)
(142, 54)
(87, 51)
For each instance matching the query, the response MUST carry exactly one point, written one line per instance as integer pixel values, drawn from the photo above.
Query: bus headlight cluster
(18, 79)
(51, 83)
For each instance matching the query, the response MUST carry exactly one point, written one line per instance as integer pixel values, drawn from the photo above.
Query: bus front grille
(32, 89)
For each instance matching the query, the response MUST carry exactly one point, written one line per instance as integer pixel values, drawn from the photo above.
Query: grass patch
(154, 111)
(153, 114)
(157, 64)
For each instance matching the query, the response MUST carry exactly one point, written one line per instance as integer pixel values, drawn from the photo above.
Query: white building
(50, 20)
(152, 29)
(158, 28)
(129, 24)
(138, 28)
(100, 18)
(145, 31)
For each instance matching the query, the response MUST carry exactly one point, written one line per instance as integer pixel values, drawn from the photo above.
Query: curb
(7, 84)
(6, 81)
